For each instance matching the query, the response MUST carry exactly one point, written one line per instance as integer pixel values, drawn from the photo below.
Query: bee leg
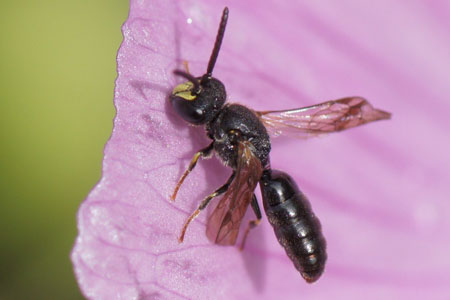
(252, 224)
(186, 66)
(202, 153)
(205, 203)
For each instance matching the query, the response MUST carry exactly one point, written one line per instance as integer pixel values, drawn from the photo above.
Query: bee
(241, 139)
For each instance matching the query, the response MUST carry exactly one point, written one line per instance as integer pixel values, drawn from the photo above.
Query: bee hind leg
(253, 223)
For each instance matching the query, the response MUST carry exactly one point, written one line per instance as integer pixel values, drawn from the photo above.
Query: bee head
(199, 99)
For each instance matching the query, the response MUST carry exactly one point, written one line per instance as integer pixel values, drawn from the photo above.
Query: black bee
(240, 137)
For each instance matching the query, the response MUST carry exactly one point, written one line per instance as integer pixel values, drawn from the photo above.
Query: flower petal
(381, 191)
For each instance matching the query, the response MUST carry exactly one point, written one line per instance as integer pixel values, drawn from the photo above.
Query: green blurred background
(57, 72)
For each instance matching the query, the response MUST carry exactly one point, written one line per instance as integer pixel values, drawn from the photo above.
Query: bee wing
(321, 118)
(223, 224)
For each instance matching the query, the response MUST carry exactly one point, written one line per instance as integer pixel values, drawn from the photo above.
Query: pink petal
(381, 191)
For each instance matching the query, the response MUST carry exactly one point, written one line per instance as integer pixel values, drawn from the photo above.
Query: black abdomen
(295, 225)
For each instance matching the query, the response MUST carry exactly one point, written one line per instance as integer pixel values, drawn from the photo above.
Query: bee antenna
(217, 44)
(190, 78)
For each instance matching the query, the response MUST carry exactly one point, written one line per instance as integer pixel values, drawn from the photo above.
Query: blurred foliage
(57, 72)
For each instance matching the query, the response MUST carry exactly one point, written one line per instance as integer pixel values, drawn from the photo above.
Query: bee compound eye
(188, 110)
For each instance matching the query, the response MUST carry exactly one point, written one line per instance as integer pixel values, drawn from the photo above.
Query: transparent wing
(223, 224)
(321, 118)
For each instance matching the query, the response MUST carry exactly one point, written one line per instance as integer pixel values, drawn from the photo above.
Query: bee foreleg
(186, 66)
(202, 153)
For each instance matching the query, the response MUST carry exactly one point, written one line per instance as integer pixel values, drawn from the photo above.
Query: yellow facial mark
(184, 90)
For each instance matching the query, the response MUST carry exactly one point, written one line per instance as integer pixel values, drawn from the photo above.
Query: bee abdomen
(296, 227)
(305, 246)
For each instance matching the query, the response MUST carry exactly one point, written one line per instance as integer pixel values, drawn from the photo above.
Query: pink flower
(381, 191)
